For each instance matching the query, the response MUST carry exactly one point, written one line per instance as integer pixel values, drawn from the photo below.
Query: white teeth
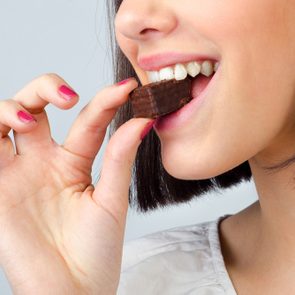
(180, 72)
(166, 73)
(153, 76)
(207, 68)
(193, 68)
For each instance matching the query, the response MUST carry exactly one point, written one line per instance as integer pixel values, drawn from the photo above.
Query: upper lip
(161, 60)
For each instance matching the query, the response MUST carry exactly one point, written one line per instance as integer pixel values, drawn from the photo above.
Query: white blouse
(185, 260)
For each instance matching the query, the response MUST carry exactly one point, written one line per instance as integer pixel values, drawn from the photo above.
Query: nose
(142, 20)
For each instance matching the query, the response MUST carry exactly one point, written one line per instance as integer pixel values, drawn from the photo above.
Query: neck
(261, 238)
(276, 214)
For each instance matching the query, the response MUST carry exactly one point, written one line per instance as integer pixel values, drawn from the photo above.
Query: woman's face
(249, 110)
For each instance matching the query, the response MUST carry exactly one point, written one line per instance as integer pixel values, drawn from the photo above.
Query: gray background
(69, 37)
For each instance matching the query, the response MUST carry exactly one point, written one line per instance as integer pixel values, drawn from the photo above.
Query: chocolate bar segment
(160, 98)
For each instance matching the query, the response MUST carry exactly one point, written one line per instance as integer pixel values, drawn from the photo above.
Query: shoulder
(175, 261)
(178, 239)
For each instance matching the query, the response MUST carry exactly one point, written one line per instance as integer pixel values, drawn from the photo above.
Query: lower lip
(181, 116)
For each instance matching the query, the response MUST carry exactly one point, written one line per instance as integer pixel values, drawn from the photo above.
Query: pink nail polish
(66, 92)
(25, 117)
(124, 81)
(147, 129)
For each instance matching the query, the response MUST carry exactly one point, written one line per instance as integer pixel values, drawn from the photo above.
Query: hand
(59, 234)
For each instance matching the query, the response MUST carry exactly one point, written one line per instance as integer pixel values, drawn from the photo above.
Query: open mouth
(199, 74)
(201, 84)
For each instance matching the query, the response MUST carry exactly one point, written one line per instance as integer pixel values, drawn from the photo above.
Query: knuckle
(51, 77)
(5, 103)
(113, 155)
(117, 155)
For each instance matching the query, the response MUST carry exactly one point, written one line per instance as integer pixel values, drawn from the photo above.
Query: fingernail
(147, 129)
(66, 92)
(124, 81)
(25, 117)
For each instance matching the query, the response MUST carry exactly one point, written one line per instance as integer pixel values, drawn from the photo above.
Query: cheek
(130, 50)
(240, 120)
(254, 101)
(128, 47)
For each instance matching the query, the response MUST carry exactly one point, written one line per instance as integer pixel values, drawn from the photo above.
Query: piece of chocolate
(160, 98)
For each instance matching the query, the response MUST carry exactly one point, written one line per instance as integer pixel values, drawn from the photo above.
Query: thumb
(112, 190)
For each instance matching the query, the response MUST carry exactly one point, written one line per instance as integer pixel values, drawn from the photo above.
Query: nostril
(145, 31)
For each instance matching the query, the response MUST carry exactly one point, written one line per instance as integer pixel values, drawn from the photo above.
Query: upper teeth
(180, 71)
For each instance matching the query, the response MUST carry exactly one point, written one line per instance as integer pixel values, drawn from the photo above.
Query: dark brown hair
(152, 186)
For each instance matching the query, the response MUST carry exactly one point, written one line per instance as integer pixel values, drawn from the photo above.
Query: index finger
(88, 131)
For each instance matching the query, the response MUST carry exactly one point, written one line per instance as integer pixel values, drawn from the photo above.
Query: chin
(186, 169)
(187, 166)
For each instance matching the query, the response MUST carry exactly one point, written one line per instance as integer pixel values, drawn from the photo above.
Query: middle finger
(48, 88)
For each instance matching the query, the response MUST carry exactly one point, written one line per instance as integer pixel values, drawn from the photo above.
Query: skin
(54, 221)
(250, 115)
(59, 233)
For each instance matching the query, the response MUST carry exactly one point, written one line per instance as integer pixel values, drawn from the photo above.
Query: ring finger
(12, 115)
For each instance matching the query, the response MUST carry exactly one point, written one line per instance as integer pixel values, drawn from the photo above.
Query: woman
(60, 231)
